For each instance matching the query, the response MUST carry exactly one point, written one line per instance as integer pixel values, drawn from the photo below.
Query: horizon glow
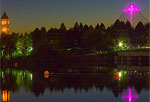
(131, 9)
(26, 15)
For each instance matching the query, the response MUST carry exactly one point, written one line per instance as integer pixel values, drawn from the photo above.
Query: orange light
(4, 29)
(16, 64)
(4, 22)
(5, 96)
(116, 76)
(46, 74)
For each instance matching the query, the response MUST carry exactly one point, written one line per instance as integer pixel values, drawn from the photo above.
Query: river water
(101, 84)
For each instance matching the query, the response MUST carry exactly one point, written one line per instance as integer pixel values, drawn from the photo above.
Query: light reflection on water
(130, 96)
(109, 85)
(5, 96)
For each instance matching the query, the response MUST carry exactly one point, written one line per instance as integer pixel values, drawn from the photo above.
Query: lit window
(4, 22)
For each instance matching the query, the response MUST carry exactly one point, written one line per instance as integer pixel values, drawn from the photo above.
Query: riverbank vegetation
(54, 44)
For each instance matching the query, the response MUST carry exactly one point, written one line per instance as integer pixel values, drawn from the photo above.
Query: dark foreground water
(103, 84)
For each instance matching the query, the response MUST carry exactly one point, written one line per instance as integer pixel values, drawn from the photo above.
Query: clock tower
(5, 24)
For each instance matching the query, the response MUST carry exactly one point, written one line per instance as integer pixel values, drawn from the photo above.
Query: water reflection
(46, 74)
(114, 80)
(5, 96)
(119, 75)
(129, 96)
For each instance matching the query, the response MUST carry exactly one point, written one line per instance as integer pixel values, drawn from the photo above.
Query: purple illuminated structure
(131, 9)
(130, 96)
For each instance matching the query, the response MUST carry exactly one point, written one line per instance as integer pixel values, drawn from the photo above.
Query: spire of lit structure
(131, 9)
(5, 24)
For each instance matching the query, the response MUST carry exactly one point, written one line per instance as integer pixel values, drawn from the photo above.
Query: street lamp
(120, 44)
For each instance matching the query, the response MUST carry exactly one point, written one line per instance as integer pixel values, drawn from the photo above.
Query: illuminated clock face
(5, 22)
(4, 29)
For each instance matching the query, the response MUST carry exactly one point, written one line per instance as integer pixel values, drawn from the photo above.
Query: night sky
(25, 15)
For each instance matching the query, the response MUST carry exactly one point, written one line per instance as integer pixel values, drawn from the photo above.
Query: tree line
(80, 39)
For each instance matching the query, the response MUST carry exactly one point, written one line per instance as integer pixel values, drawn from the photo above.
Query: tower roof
(4, 16)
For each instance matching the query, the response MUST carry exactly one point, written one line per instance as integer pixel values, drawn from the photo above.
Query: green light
(69, 49)
(145, 47)
(2, 74)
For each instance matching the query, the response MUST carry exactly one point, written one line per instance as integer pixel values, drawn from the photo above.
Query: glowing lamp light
(120, 74)
(120, 44)
(46, 74)
(131, 9)
(31, 76)
(31, 48)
